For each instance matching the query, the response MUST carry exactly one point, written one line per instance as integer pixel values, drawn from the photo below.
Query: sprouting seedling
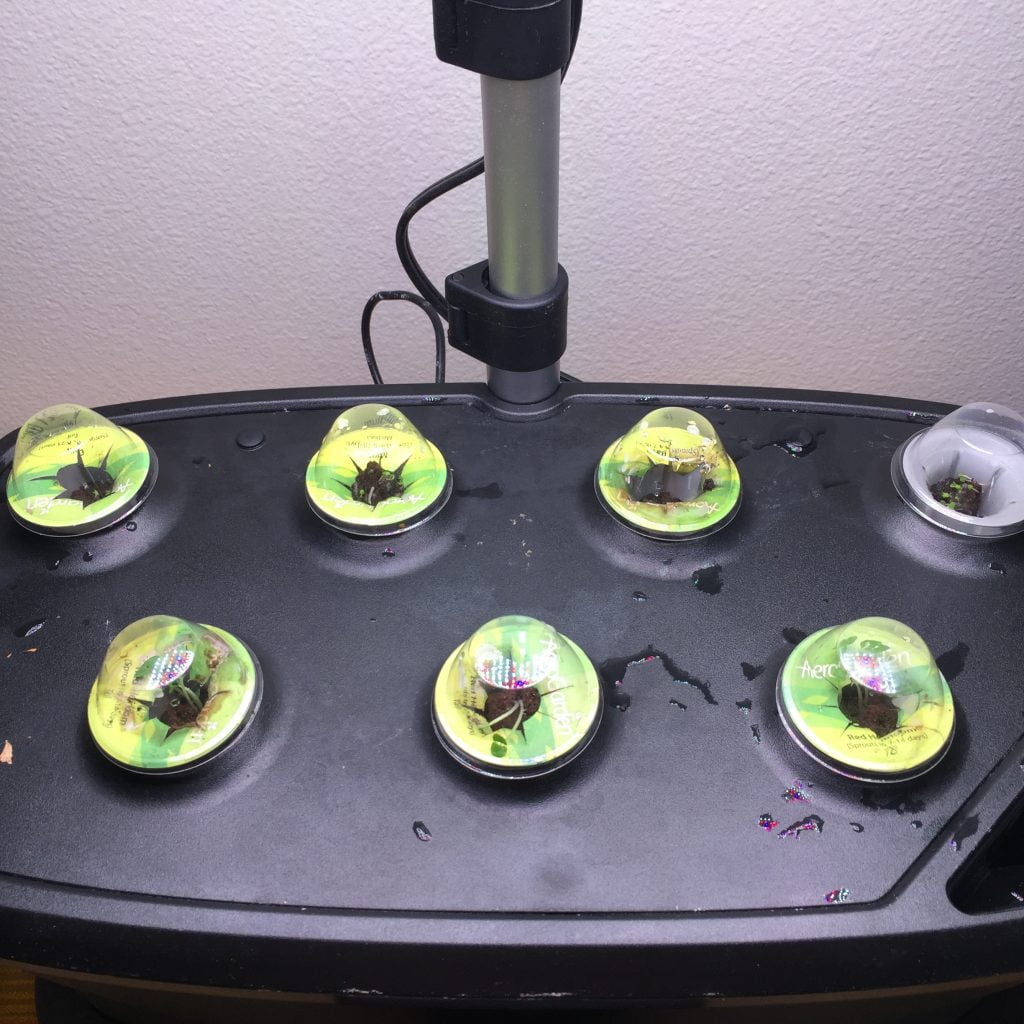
(960, 493)
(374, 484)
(187, 691)
(510, 707)
(179, 705)
(83, 483)
(868, 708)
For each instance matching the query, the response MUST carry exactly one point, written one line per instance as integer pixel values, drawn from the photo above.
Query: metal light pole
(510, 311)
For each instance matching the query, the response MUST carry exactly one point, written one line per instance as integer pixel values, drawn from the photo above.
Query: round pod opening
(966, 473)
(75, 472)
(669, 477)
(516, 700)
(867, 700)
(376, 475)
(172, 694)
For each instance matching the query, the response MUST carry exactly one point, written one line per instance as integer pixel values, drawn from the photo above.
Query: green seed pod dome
(375, 474)
(75, 472)
(867, 700)
(669, 477)
(517, 699)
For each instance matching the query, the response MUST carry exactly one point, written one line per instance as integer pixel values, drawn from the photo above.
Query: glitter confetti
(767, 822)
(812, 823)
(796, 792)
(837, 896)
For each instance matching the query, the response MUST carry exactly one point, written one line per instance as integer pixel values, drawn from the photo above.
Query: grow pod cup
(76, 472)
(516, 700)
(670, 477)
(966, 473)
(172, 695)
(867, 700)
(376, 475)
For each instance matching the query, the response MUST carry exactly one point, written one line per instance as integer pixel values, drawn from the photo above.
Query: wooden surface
(17, 997)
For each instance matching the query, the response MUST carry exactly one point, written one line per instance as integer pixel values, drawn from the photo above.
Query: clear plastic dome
(867, 700)
(171, 694)
(966, 473)
(670, 477)
(375, 474)
(517, 699)
(76, 472)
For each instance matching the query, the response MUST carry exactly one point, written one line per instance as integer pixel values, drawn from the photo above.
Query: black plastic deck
(304, 831)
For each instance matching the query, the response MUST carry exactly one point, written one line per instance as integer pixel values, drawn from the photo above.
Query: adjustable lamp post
(509, 310)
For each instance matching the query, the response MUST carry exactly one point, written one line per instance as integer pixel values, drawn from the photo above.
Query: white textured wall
(199, 196)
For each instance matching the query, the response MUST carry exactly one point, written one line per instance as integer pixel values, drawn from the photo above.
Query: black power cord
(430, 298)
(435, 319)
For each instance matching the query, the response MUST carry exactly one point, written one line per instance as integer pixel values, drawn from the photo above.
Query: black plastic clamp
(514, 39)
(510, 334)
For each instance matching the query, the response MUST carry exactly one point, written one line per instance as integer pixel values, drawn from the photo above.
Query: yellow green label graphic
(670, 476)
(516, 699)
(75, 471)
(867, 700)
(375, 474)
(171, 693)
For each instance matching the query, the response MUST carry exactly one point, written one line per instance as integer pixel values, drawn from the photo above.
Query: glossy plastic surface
(295, 860)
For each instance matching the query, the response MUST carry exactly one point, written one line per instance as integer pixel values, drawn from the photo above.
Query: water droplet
(767, 822)
(614, 670)
(915, 824)
(837, 896)
(967, 828)
(708, 580)
(639, 596)
(856, 826)
(29, 628)
(422, 832)
(951, 663)
(756, 733)
(902, 802)
(55, 564)
(198, 460)
(677, 703)
(488, 491)
(812, 823)
(131, 526)
(997, 567)
(388, 553)
(745, 705)
(751, 671)
(797, 792)
(622, 701)
(87, 557)
(798, 442)
(793, 636)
